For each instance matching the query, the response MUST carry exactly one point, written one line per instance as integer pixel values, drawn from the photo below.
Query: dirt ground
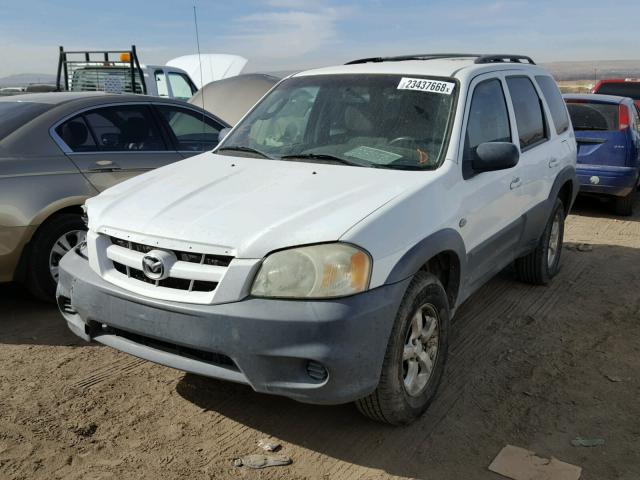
(530, 366)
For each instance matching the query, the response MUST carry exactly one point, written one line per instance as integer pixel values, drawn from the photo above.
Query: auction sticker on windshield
(422, 85)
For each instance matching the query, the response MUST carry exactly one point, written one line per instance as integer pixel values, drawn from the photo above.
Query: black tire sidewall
(551, 270)
(425, 288)
(39, 279)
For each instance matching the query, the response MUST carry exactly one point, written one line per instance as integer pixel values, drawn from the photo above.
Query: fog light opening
(317, 371)
(64, 304)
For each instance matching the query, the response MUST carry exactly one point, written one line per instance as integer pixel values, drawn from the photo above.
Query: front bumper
(265, 343)
(617, 181)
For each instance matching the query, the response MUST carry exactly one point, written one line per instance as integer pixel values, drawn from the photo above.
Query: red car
(622, 87)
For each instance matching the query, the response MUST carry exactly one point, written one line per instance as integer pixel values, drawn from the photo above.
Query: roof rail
(503, 58)
(421, 56)
(479, 58)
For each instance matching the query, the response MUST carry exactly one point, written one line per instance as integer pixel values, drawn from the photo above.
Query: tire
(623, 206)
(392, 402)
(40, 279)
(540, 266)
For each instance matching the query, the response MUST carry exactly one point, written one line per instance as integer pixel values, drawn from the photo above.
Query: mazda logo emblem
(153, 267)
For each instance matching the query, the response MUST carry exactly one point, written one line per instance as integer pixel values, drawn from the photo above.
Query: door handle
(553, 162)
(515, 183)
(105, 166)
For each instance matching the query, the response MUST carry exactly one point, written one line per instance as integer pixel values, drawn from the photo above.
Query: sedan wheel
(64, 244)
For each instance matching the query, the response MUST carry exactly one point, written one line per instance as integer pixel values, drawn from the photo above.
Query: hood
(247, 206)
(215, 66)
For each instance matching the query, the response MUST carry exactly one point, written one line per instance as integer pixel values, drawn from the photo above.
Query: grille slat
(187, 285)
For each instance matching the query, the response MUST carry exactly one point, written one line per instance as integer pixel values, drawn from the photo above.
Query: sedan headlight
(317, 271)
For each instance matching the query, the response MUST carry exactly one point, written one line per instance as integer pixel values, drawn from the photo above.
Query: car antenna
(195, 21)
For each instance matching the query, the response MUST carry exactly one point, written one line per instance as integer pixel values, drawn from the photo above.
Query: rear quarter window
(13, 115)
(555, 102)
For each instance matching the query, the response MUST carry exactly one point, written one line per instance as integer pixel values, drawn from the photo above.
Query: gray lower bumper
(269, 341)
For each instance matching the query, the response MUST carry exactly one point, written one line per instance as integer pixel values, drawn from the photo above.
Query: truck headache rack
(478, 58)
(114, 71)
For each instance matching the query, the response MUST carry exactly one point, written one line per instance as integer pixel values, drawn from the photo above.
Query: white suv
(321, 251)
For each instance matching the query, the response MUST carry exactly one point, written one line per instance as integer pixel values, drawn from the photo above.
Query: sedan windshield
(379, 121)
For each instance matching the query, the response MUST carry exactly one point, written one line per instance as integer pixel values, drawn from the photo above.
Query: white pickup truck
(115, 71)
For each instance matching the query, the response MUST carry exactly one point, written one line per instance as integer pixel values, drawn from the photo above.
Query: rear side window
(553, 97)
(113, 129)
(593, 116)
(161, 83)
(488, 117)
(528, 111)
(76, 135)
(621, 89)
(194, 132)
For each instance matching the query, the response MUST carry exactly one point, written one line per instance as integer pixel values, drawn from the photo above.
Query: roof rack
(478, 58)
(504, 58)
(89, 70)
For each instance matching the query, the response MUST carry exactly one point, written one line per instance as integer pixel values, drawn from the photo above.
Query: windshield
(628, 89)
(380, 121)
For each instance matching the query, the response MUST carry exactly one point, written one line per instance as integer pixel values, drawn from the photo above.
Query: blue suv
(607, 131)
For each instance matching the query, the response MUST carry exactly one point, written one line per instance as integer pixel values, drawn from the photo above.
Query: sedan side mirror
(223, 133)
(492, 156)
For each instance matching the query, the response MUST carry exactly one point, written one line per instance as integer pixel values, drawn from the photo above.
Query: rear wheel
(624, 205)
(415, 356)
(52, 241)
(543, 263)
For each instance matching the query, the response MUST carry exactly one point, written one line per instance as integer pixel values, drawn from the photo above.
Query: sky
(280, 35)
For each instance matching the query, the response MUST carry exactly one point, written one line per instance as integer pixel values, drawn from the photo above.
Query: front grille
(212, 358)
(185, 284)
(217, 260)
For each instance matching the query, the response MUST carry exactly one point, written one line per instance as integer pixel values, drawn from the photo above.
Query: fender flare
(568, 173)
(446, 240)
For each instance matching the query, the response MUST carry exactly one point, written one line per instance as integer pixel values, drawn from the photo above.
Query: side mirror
(223, 133)
(492, 156)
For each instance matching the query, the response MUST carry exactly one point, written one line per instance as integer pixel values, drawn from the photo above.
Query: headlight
(316, 271)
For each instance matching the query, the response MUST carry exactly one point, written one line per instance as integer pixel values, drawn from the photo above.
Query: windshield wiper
(322, 156)
(401, 166)
(240, 148)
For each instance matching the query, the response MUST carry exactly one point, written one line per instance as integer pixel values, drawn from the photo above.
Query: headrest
(356, 121)
(74, 133)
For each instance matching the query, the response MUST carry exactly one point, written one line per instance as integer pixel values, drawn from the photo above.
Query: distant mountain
(596, 69)
(24, 79)
(584, 70)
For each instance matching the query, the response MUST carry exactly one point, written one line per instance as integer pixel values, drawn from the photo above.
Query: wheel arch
(71, 205)
(565, 187)
(442, 254)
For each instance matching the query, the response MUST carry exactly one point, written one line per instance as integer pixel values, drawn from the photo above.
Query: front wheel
(415, 356)
(543, 263)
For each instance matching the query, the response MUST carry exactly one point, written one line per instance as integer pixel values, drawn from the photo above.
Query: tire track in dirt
(121, 366)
